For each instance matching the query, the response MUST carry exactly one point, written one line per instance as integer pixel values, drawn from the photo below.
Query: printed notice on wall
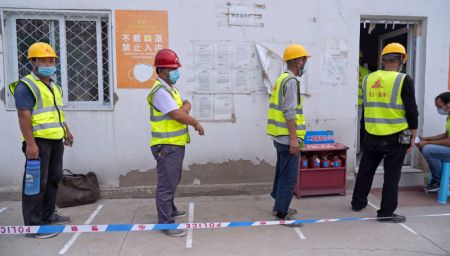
(204, 80)
(203, 106)
(139, 36)
(204, 54)
(242, 81)
(335, 64)
(223, 106)
(223, 80)
(213, 107)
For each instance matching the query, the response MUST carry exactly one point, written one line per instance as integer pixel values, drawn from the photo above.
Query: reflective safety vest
(166, 130)
(448, 126)
(363, 72)
(384, 112)
(47, 116)
(276, 123)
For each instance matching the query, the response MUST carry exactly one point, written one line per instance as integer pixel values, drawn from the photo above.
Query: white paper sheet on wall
(242, 55)
(241, 81)
(203, 106)
(223, 82)
(204, 81)
(223, 55)
(223, 106)
(204, 53)
(335, 64)
(224, 68)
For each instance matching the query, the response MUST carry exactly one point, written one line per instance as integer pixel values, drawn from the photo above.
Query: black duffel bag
(77, 189)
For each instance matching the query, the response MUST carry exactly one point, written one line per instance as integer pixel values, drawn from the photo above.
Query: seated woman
(436, 149)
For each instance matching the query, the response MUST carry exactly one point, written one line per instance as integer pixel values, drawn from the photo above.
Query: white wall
(115, 142)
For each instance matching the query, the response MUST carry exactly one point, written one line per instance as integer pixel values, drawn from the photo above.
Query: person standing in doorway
(169, 118)
(436, 149)
(363, 72)
(286, 125)
(390, 119)
(39, 106)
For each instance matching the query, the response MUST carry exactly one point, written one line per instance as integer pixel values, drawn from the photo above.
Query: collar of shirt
(166, 84)
(292, 74)
(38, 79)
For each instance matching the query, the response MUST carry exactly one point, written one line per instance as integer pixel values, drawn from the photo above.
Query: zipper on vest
(57, 109)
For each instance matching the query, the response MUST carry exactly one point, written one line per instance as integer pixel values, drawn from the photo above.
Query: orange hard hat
(167, 58)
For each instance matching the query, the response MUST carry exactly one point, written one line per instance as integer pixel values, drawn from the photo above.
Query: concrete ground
(420, 235)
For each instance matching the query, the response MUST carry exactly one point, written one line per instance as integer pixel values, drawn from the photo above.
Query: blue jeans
(286, 175)
(435, 155)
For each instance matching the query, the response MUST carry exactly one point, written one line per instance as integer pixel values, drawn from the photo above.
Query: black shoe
(174, 232)
(433, 186)
(357, 209)
(41, 235)
(55, 218)
(394, 218)
(179, 214)
(288, 218)
(291, 211)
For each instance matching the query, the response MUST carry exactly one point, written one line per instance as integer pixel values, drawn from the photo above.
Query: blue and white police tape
(10, 230)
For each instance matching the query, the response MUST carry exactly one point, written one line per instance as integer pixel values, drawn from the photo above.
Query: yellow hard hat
(41, 50)
(395, 48)
(294, 51)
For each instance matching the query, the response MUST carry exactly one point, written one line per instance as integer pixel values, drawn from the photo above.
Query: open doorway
(374, 35)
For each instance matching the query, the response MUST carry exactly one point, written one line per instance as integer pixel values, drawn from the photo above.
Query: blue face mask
(442, 111)
(174, 75)
(47, 71)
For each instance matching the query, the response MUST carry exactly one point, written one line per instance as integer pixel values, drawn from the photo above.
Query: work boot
(55, 218)
(174, 232)
(394, 218)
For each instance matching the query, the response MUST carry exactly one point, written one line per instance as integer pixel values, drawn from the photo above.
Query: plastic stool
(443, 193)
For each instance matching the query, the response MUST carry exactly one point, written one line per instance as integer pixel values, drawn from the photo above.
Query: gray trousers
(169, 163)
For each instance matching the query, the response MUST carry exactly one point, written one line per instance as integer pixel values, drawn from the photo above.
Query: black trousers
(37, 208)
(375, 149)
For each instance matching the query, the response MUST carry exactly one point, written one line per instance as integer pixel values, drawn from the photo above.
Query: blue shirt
(24, 97)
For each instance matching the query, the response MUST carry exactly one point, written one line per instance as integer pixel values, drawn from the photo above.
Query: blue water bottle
(32, 177)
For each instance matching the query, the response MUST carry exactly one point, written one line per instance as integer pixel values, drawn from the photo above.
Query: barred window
(82, 42)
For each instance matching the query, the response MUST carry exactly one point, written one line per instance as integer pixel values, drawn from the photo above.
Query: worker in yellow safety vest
(436, 149)
(286, 124)
(169, 118)
(362, 72)
(39, 104)
(391, 120)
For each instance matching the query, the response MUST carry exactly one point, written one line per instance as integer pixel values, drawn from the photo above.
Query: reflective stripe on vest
(169, 134)
(46, 118)
(381, 117)
(276, 122)
(166, 130)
